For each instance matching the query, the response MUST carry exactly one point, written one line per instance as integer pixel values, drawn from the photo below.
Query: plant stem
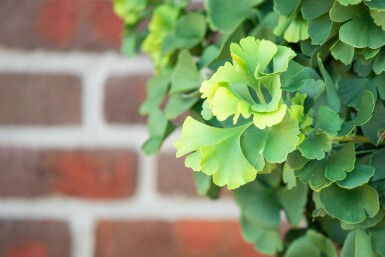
(355, 139)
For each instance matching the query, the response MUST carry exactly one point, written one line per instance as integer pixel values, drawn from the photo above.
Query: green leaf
(367, 223)
(130, 11)
(378, 164)
(319, 174)
(205, 185)
(293, 28)
(340, 13)
(314, 9)
(288, 176)
(156, 90)
(294, 201)
(342, 52)
(376, 124)
(185, 76)
(294, 78)
(379, 62)
(315, 145)
(221, 152)
(375, 4)
(266, 240)
(352, 90)
(255, 195)
(256, 66)
(328, 121)
(359, 176)
(349, 2)
(350, 206)
(286, 7)
(226, 16)
(366, 108)
(370, 35)
(276, 142)
(178, 104)
(189, 31)
(378, 18)
(333, 98)
(347, 128)
(313, 244)
(340, 163)
(357, 244)
(320, 29)
(313, 173)
(296, 161)
(159, 128)
(377, 235)
(163, 21)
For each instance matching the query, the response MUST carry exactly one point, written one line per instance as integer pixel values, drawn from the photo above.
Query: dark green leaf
(350, 206)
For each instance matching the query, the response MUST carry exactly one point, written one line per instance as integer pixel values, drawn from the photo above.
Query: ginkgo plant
(285, 103)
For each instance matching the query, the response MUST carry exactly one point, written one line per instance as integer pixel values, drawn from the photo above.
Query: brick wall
(73, 181)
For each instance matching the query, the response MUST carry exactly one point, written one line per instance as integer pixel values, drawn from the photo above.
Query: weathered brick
(186, 238)
(92, 174)
(59, 24)
(123, 97)
(34, 238)
(39, 99)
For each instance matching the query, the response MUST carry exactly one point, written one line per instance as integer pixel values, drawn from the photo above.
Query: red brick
(197, 238)
(92, 174)
(58, 21)
(35, 249)
(34, 239)
(60, 24)
(123, 97)
(175, 180)
(40, 99)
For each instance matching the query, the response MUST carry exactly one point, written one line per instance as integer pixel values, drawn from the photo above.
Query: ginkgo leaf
(321, 173)
(217, 145)
(350, 205)
(156, 90)
(349, 2)
(293, 28)
(315, 145)
(375, 4)
(328, 121)
(286, 7)
(358, 243)
(257, 65)
(130, 11)
(189, 30)
(185, 76)
(343, 52)
(366, 108)
(378, 18)
(312, 244)
(159, 128)
(379, 62)
(314, 9)
(359, 176)
(319, 29)
(371, 35)
(340, 13)
(341, 162)
(228, 15)
(276, 142)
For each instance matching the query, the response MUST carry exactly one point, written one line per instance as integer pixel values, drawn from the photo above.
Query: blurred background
(73, 181)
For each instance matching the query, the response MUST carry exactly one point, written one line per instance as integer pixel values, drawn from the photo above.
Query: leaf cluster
(286, 108)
